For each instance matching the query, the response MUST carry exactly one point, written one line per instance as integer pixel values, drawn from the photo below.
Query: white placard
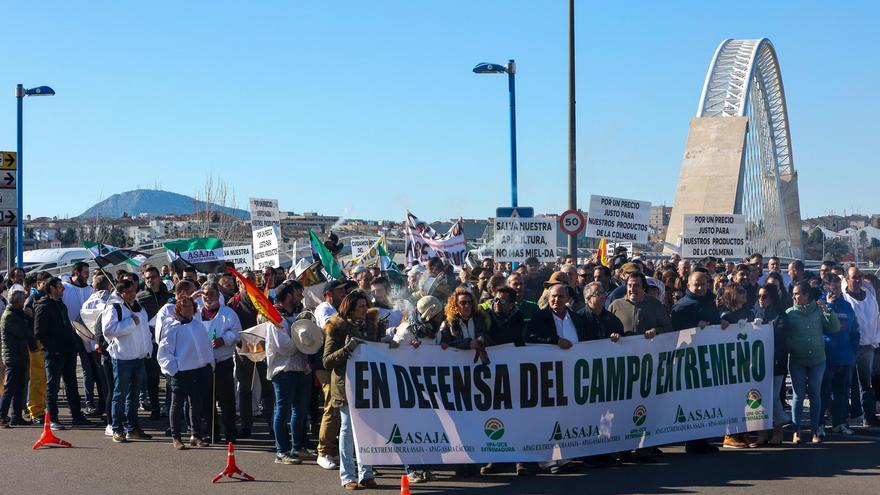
(519, 238)
(360, 245)
(264, 213)
(618, 219)
(611, 246)
(266, 248)
(241, 256)
(713, 234)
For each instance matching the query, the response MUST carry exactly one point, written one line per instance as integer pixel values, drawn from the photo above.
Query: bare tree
(210, 205)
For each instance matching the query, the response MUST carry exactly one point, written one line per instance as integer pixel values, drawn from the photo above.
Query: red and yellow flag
(602, 253)
(260, 300)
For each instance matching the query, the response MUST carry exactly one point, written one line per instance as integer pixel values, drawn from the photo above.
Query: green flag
(331, 266)
(385, 263)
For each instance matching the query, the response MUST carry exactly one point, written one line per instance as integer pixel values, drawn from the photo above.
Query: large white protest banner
(713, 234)
(519, 238)
(423, 242)
(618, 219)
(266, 248)
(427, 405)
(264, 213)
(241, 256)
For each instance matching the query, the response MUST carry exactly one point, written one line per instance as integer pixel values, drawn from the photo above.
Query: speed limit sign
(572, 222)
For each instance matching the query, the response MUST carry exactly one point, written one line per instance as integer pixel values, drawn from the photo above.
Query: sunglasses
(498, 300)
(466, 303)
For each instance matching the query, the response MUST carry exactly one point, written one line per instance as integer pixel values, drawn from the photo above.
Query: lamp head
(487, 68)
(40, 91)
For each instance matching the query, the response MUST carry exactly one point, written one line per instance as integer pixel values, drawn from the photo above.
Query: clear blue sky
(368, 108)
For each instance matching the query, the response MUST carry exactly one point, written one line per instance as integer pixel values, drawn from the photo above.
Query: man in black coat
(697, 310)
(599, 322)
(60, 344)
(557, 324)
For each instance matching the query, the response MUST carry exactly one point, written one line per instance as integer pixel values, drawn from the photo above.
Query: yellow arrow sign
(8, 160)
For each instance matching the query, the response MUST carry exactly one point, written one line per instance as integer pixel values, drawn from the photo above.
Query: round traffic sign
(572, 222)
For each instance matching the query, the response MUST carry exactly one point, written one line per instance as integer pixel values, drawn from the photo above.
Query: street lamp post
(20, 93)
(510, 69)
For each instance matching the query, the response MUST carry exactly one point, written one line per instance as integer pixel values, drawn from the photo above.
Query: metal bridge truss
(744, 80)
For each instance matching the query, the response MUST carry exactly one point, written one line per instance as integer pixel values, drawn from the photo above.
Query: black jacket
(600, 326)
(450, 332)
(15, 332)
(507, 331)
(776, 317)
(690, 310)
(542, 328)
(152, 302)
(53, 329)
(743, 313)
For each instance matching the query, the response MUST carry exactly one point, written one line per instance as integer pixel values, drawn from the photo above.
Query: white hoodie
(126, 339)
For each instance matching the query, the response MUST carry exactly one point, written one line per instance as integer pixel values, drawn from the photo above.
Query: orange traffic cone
(49, 438)
(404, 485)
(231, 469)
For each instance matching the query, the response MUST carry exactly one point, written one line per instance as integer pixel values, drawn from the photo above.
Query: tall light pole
(20, 93)
(510, 69)
(572, 146)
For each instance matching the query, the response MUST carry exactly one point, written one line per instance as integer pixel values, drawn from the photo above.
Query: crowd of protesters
(128, 332)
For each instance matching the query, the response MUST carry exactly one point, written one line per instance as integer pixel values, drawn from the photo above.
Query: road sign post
(9, 200)
(572, 223)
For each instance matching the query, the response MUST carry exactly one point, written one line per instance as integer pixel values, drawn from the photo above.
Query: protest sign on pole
(519, 238)
(713, 234)
(241, 256)
(360, 245)
(618, 219)
(264, 213)
(266, 248)
(423, 242)
(427, 405)
(611, 246)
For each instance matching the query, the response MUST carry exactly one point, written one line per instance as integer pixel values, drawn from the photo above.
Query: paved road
(96, 465)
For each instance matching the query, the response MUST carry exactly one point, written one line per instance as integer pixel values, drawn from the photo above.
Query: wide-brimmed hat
(556, 279)
(307, 336)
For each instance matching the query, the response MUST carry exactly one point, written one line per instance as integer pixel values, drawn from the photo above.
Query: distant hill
(152, 202)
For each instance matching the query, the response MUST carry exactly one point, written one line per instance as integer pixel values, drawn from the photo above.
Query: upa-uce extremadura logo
(494, 429)
(754, 406)
(639, 417)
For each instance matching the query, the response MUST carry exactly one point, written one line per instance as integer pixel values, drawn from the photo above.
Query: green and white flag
(322, 254)
(106, 255)
(203, 253)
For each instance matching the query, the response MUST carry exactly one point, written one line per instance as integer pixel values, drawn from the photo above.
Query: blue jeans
(347, 453)
(863, 403)
(127, 377)
(835, 392)
(806, 380)
(292, 394)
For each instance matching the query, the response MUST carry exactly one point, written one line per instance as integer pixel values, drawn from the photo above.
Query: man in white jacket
(126, 330)
(224, 329)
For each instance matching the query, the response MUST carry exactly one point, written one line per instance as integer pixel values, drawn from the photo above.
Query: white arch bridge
(739, 153)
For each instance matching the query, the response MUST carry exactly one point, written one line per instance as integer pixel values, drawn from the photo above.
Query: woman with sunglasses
(734, 304)
(769, 310)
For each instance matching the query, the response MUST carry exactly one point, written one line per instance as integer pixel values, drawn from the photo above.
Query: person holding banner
(600, 323)
(807, 321)
(557, 324)
(465, 323)
(354, 323)
(639, 314)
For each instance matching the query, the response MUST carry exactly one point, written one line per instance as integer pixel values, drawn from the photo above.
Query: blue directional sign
(519, 211)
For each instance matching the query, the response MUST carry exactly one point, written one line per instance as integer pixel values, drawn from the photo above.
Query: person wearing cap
(363, 277)
(426, 327)
(224, 329)
(289, 371)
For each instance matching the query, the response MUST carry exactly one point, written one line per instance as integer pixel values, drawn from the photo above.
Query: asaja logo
(753, 399)
(560, 433)
(640, 415)
(418, 437)
(494, 429)
(699, 414)
(679, 415)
